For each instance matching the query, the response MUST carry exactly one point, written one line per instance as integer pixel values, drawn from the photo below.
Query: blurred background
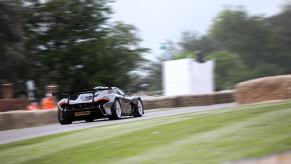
(80, 44)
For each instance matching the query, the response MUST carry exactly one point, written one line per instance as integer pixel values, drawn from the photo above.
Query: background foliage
(75, 45)
(243, 46)
(69, 43)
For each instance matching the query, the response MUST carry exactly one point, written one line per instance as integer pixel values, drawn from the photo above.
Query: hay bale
(24, 119)
(159, 102)
(189, 100)
(264, 89)
(223, 97)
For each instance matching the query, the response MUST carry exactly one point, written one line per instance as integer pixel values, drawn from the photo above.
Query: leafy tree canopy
(72, 44)
(244, 46)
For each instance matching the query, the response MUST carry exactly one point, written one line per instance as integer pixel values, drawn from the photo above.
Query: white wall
(176, 79)
(186, 76)
(202, 77)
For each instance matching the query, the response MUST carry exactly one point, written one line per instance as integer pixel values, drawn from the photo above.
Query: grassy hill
(204, 137)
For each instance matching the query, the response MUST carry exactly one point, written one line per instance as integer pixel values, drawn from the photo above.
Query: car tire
(116, 110)
(138, 109)
(63, 120)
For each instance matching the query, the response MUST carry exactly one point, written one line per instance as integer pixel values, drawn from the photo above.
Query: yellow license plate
(85, 113)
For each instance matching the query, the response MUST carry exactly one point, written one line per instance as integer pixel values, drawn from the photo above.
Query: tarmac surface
(8, 136)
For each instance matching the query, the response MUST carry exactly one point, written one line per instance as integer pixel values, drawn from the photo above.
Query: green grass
(204, 137)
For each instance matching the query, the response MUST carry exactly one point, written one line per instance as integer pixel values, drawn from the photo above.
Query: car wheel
(63, 120)
(138, 109)
(116, 110)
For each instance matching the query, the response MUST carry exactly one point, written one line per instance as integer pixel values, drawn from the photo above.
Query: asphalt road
(8, 136)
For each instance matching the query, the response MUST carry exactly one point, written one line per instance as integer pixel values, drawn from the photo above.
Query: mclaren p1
(99, 102)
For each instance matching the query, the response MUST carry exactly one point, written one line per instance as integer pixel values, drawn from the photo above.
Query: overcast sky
(162, 20)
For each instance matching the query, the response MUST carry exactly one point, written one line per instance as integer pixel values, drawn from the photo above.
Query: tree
(121, 56)
(154, 78)
(183, 55)
(237, 32)
(253, 46)
(280, 41)
(192, 42)
(73, 45)
(229, 69)
(262, 42)
(10, 39)
(13, 61)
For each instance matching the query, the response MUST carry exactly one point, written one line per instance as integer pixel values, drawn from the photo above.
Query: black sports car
(100, 102)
